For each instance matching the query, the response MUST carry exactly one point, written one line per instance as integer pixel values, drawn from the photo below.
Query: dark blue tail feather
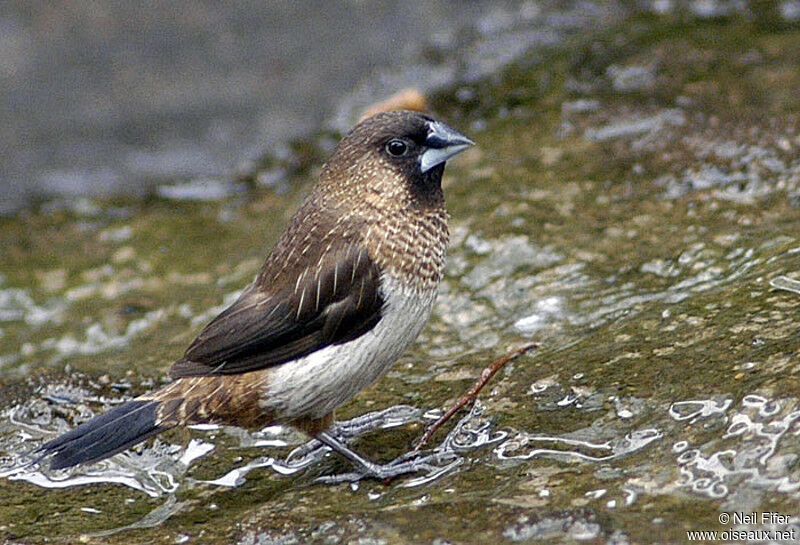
(104, 435)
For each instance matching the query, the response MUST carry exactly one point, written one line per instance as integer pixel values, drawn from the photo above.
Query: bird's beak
(442, 143)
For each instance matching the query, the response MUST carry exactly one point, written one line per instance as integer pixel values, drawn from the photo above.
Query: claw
(411, 462)
(432, 463)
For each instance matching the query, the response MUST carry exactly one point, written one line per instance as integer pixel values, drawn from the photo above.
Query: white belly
(316, 384)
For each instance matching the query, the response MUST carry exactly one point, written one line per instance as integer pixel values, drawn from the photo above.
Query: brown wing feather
(336, 299)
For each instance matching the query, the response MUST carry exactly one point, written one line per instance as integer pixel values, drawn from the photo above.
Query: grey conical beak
(442, 143)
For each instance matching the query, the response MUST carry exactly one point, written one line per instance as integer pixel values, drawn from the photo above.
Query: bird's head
(395, 157)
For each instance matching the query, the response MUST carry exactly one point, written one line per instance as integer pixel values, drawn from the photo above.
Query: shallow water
(632, 205)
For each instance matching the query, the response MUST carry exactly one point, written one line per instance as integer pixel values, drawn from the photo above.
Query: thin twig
(472, 393)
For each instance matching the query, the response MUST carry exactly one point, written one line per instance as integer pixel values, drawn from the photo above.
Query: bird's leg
(400, 466)
(357, 426)
(386, 418)
(311, 426)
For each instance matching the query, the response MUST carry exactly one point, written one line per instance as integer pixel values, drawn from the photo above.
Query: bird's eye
(396, 147)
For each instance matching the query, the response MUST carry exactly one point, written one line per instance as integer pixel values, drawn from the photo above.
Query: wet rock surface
(103, 98)
(632, 205)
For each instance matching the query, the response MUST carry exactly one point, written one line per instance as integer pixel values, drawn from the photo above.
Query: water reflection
(756, 450)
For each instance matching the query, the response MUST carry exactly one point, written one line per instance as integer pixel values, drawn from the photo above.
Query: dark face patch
(384, 149)
(399, 140)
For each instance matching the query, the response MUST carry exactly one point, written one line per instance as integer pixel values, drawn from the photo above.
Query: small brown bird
(345, 291)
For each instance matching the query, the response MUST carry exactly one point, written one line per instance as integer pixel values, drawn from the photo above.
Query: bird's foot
(306, 454)
(412, 462)
(387, 418)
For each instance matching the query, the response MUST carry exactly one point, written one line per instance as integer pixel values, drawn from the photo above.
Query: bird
(344, 292)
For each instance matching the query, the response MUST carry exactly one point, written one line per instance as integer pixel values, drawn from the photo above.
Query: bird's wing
(335, 300)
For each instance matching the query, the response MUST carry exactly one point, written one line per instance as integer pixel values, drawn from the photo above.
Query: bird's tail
(227, 399)
(105, 435)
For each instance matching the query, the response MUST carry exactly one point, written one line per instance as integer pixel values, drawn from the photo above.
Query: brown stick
(472, 393)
